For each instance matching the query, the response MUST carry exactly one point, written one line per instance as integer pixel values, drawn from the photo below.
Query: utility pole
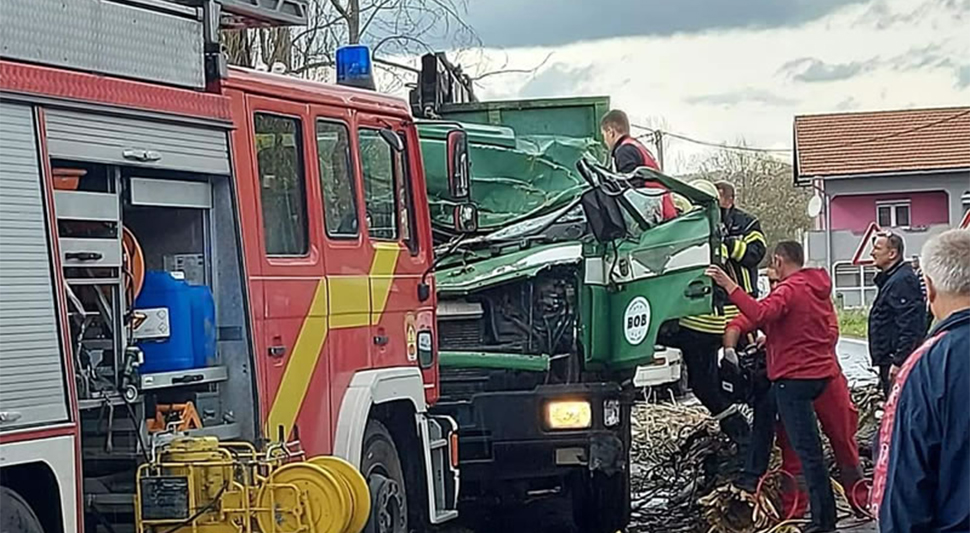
(658, 141)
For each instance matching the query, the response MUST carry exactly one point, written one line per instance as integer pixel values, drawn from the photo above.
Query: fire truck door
(291, 355)
(348, 256)
(399, 256)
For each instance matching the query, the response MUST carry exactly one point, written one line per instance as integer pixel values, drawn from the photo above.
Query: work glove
(731, 356)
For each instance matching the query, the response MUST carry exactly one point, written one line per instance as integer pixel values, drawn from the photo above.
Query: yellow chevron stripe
(303, 361)
(381, 277)
(348, 306)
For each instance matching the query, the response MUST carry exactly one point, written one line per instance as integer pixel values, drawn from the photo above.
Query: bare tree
(764, 188)
(390, 27)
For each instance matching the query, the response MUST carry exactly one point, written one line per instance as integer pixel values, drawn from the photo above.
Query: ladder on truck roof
(171, 42)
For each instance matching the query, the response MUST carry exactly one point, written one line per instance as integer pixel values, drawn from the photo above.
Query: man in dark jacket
(922, 476)
(801, 329)
(897, 320)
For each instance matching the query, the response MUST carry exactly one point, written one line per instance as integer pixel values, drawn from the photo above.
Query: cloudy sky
(727, 70)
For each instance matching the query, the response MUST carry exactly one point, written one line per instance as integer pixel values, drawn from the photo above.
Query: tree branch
(514, 70)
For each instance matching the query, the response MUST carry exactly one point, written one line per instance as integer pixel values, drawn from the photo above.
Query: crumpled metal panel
(106, 38)
(514, 177)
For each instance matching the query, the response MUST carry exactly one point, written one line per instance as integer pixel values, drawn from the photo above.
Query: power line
(710, 144)
(876, 138)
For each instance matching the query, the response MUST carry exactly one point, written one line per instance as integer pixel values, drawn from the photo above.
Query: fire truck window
(406, 198)
(336, 179)
(380, 193)
(282, 184)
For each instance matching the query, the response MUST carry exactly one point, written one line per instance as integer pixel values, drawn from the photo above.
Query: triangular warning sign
(862, 252)
(966, 221)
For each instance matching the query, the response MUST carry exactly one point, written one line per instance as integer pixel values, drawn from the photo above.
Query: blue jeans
(794, 398)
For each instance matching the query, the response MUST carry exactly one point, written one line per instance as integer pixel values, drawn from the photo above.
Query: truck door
(640, 284)
(292, 359)
(398, 234)
(346, 247)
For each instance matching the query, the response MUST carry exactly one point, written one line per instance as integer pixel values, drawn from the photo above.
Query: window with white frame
(894, 214)
(855, 285)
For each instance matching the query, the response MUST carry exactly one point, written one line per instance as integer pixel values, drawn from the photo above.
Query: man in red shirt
(629, 154)
(799, 321)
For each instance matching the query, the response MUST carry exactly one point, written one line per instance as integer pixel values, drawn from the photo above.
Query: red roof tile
(882, 141)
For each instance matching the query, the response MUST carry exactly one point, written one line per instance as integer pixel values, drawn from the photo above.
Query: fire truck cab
(192, 250)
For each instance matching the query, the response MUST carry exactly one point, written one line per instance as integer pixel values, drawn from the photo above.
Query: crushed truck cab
(545, 332)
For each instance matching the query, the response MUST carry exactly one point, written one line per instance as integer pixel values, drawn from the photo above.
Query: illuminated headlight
(571, 414)
(611, 413)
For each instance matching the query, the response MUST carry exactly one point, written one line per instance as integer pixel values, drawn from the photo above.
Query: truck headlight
(569, 414)
(611, 413)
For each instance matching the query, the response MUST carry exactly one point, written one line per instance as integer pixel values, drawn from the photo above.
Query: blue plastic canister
(177, 352)
(203, 325)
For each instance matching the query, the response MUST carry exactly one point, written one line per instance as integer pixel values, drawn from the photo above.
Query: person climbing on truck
(699, 336)
(628, 154)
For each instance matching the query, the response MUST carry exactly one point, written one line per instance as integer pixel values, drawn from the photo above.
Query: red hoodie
(800, 325)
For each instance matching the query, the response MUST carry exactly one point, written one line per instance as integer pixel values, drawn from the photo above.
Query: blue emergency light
(354, 67)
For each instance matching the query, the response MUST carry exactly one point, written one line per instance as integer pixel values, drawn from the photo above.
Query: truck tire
(601, 503)
(381, 466)
(16, 516)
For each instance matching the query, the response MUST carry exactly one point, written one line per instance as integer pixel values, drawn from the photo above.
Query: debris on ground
(682, 467)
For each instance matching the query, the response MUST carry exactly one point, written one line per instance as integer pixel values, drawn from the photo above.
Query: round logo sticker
(636, 320)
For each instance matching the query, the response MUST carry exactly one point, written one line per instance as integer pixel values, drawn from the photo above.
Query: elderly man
(922, 479)
(897, 320)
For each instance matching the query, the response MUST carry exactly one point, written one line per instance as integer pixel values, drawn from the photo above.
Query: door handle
(697, 289)
(277, 351)
(84, 256)
(381, 340)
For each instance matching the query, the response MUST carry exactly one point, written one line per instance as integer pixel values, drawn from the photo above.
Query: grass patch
(854, 322)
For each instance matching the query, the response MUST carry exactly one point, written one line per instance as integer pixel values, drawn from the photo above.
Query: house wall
(855, 212)
(952, 184)
(936, 205)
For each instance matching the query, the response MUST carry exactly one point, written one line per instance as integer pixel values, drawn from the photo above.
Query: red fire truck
(212, 252)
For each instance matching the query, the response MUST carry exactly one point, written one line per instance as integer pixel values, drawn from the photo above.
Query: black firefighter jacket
(897, 320)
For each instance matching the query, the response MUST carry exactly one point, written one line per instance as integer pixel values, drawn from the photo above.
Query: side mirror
(459, 167)
(393, 139)
(466, 218)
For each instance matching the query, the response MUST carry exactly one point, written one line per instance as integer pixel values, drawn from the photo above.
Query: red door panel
(291, 351)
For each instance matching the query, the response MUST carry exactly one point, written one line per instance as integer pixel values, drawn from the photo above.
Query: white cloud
(727, 86)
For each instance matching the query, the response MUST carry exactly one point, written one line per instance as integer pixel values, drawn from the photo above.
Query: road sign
(862, 252)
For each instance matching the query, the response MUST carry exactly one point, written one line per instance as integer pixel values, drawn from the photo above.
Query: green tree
(764, 188)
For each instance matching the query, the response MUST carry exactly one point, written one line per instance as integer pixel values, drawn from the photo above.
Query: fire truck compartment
(157, 311)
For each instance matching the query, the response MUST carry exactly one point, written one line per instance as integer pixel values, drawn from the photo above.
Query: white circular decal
(636, 320)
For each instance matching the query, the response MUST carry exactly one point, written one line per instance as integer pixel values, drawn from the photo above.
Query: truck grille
(460, 334)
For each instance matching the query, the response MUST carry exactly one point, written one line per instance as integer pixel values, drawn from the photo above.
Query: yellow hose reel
(199, 485)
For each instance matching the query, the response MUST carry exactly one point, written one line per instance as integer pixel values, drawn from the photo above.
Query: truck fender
(369, 388)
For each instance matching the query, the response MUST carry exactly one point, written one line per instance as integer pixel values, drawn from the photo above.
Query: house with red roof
(907, 171)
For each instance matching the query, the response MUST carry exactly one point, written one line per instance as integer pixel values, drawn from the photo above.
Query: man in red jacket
(629, 154)
(799, 321)
(836, 413)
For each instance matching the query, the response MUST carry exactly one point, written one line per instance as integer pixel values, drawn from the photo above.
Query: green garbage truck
(556, 282)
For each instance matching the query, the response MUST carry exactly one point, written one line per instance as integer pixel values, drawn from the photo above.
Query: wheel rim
(387, 504)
